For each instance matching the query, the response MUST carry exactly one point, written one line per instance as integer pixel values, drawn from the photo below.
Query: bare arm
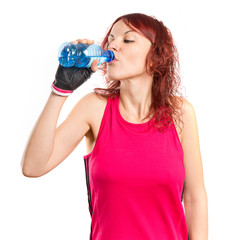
(48, 146)
(41, 140)
(195, 196)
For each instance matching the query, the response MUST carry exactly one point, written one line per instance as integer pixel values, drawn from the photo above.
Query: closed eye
(128, 41)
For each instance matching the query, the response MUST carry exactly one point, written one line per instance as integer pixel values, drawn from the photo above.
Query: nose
(113, 45)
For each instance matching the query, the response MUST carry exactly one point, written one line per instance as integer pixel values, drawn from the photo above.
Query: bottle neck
(109, 55)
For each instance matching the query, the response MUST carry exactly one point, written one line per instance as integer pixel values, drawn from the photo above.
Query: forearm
(197, 219)
(41, 140)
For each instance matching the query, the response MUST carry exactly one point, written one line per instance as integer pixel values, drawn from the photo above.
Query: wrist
(60, 91)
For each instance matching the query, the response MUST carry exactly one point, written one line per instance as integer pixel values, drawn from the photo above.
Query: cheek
(137, 64)
(133, 63)
(137, 60)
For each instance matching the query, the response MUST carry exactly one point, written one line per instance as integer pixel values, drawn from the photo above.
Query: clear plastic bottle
(82, 55)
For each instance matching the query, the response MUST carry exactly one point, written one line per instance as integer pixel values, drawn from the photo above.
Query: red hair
(163, 63)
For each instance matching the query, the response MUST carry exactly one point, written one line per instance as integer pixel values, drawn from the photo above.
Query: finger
(87, 41)
(76, 41)
(94, 65)
(79, 40)
(84, 40)
(90, 41)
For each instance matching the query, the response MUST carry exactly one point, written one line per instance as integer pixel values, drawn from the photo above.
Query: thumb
(94, 66)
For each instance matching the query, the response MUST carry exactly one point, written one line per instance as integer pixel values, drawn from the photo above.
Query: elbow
(30, 172)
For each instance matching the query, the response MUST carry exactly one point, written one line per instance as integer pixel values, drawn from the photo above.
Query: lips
(115, 58)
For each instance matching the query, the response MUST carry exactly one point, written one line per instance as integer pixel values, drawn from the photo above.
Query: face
(130, 49)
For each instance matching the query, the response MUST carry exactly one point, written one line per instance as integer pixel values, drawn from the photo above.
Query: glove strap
(59, 91)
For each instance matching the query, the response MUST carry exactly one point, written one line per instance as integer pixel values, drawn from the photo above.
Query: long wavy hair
(163, 64)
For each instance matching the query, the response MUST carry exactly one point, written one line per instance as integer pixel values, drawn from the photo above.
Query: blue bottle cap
(111, 56)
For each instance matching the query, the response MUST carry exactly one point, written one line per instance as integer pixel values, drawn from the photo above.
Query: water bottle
(82, 55)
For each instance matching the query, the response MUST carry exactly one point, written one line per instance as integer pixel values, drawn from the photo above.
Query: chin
(118, 76)
(113, 78)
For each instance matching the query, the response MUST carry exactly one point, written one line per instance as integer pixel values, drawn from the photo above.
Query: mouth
(114, 60)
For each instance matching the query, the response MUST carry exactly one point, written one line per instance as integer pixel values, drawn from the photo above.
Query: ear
(149, 66)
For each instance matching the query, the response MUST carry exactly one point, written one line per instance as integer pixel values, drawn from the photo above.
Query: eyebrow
(124, 33)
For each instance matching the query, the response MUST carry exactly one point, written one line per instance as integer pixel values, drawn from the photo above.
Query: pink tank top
(135, 181)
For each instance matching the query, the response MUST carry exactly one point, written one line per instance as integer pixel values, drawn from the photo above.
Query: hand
(94, 64)
(69, 79)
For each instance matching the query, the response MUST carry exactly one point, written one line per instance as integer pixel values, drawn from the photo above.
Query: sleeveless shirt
(135, 181)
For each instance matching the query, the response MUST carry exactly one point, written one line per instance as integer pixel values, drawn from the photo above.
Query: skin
(130, 70)
(134, 102)
(49, 145)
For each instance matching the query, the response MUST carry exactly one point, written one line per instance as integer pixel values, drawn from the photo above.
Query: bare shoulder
(95, 107)
(95, 100)
(184, 101)
(189, 120)
(186, 113)
(92, 100)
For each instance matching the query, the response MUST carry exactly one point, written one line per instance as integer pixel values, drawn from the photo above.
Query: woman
(136, 175)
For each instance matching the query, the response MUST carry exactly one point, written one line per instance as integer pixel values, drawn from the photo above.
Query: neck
(135, 98)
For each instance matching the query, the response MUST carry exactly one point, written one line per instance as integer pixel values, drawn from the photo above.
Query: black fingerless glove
(67, 79)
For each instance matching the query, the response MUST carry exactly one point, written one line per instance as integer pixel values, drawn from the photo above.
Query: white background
(55, 206)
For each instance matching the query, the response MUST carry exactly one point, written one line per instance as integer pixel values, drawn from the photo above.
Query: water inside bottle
(66, 55)
(95, 53)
